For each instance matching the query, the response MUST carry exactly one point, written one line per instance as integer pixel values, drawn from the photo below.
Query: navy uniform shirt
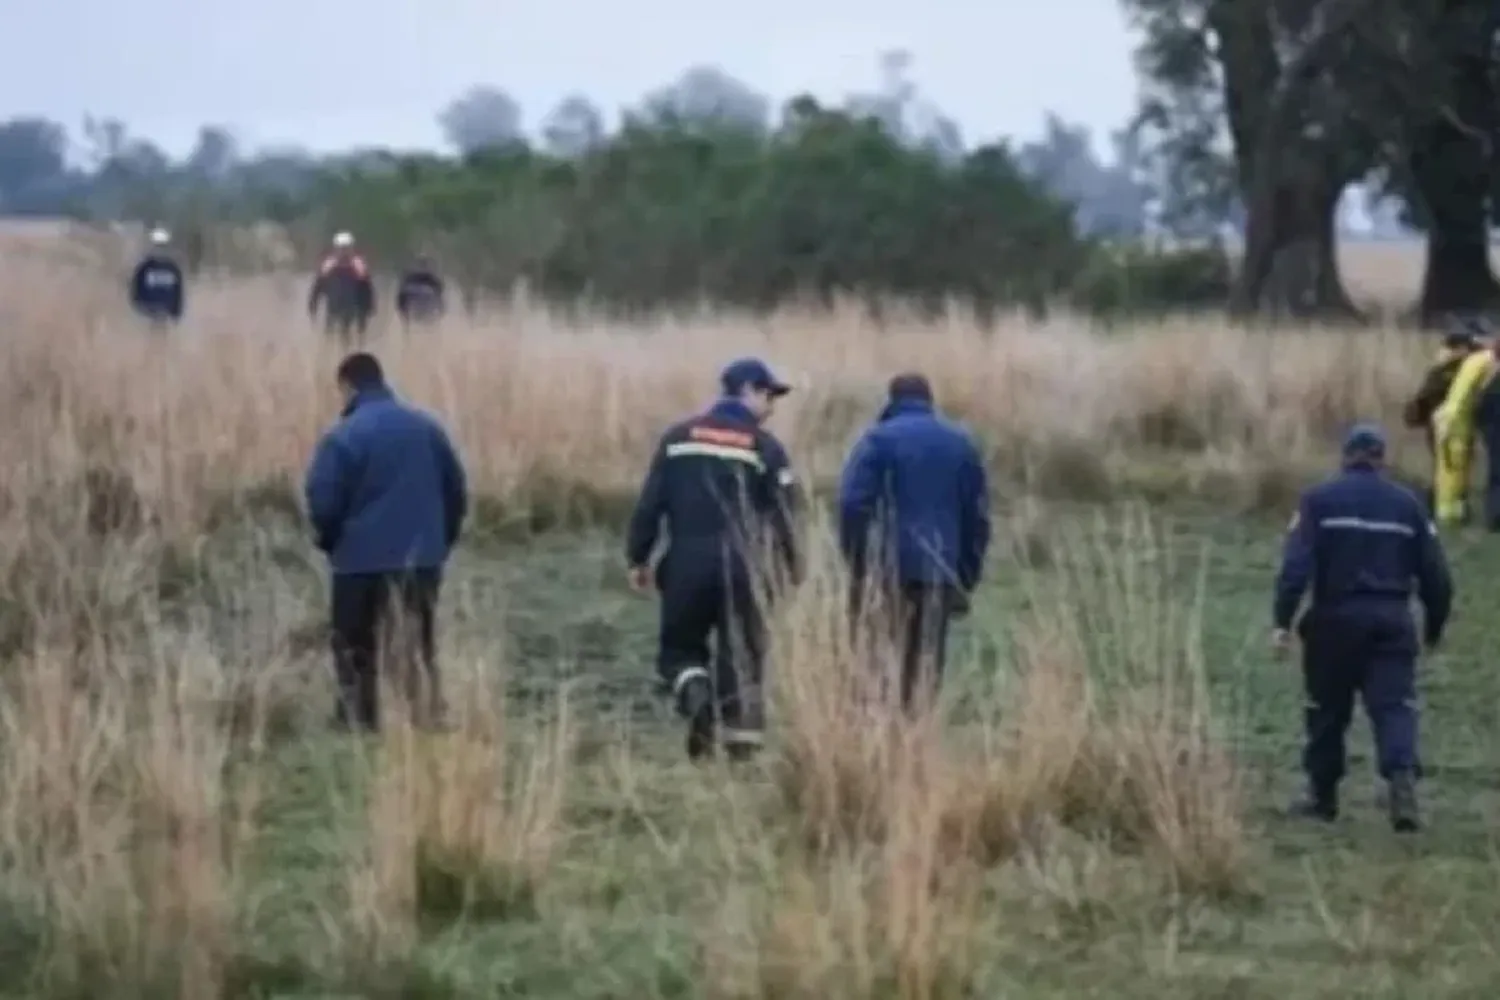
(1360, 539)
(720, 482)
(156, 286)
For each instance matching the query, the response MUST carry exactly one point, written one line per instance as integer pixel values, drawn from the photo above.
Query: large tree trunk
(1291, 187)
(1292, 270)
(1452, 164)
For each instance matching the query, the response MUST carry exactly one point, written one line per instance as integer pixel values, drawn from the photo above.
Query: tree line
(702, 195)
(1257, 116)
(671, 213)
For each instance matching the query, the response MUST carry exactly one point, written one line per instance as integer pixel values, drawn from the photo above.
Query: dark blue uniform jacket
(421, 295)
(723, 486)
(916, 485)
(386, 490)
(1360, 541)
(156, 287)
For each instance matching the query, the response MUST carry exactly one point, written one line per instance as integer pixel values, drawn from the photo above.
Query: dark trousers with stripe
(712, 628)
(1369, 653)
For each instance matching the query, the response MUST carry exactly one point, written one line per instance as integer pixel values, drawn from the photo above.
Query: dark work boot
(742, 747)
(696, 702)
(1321, 804)
(744, 726)
(1405, 815)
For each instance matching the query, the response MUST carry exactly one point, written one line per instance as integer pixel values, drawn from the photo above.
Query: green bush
(672, 216)
(1133, 281)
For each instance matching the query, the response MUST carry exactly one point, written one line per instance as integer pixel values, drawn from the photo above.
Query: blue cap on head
(1365, 439)
(751, 373)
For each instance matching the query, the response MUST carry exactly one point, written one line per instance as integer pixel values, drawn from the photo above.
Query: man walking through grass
(914, 528)
(722, 486)
(1358, 541)
(387, 496)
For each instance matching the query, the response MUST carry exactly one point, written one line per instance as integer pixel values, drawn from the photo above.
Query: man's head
(910, 386)
(750, 381)
(343, 242)
(1364, 446)
(1465, 333)
(358, 373)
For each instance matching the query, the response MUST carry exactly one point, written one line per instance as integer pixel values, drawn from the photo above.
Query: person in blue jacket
(1358, 542)
(156, 285)
(387, 496)
(914, 528)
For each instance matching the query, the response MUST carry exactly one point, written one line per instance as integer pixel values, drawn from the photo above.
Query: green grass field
(664, 879)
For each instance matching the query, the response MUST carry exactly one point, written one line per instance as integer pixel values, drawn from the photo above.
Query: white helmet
(342, 240)
(160, 237)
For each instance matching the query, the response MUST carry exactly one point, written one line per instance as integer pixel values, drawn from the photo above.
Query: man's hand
(1281, 642)
(639, 578)
(961, 603)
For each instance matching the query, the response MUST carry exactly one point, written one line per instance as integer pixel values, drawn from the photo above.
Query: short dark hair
(361, 369)
(910, 385)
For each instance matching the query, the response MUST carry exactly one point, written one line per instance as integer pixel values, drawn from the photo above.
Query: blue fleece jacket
(916, 484)
(386, 490)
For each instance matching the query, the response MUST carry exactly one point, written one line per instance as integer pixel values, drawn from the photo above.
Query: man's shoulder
(931, 429)
(769, 444)
(1361, 489)
(388, 414)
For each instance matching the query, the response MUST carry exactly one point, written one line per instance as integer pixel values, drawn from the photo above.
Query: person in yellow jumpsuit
(1453, 431)
(1461, 340)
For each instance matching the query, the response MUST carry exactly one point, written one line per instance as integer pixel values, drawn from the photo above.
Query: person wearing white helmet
(156, 286)
(343, 288)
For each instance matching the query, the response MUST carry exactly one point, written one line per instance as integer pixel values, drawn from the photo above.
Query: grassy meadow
(1096, 813)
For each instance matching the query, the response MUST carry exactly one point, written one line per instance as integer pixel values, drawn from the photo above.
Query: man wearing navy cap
(723, 487)
(1357, 542)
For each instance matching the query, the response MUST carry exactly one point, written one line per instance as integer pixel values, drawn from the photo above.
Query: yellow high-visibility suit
(1453, 436)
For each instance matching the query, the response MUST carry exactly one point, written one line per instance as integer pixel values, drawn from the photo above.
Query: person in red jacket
(344, 289)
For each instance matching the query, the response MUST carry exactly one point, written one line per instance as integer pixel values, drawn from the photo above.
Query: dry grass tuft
(122, 832)
(1117, 740)
(463, 824)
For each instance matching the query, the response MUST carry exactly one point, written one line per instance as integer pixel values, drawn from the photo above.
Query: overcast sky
(336, 73)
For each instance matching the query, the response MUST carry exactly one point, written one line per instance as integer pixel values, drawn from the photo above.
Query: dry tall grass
(540, 408)
(129, 806)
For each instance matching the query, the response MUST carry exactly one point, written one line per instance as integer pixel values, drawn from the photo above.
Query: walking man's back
(387, 496)
(721, 486)
(914, 526)
(156, 284)
(1358, 546)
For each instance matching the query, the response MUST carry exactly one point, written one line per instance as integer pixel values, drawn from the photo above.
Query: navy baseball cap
(751, 373)
(1365, 439)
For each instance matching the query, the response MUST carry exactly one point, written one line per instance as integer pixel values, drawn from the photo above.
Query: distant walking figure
(344, 290)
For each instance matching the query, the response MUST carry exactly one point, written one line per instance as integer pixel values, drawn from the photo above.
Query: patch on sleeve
(786, 477)
(1292, 524)
(1432, 528)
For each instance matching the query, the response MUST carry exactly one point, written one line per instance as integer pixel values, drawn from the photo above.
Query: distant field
(1098, 814)
(1388, 272)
